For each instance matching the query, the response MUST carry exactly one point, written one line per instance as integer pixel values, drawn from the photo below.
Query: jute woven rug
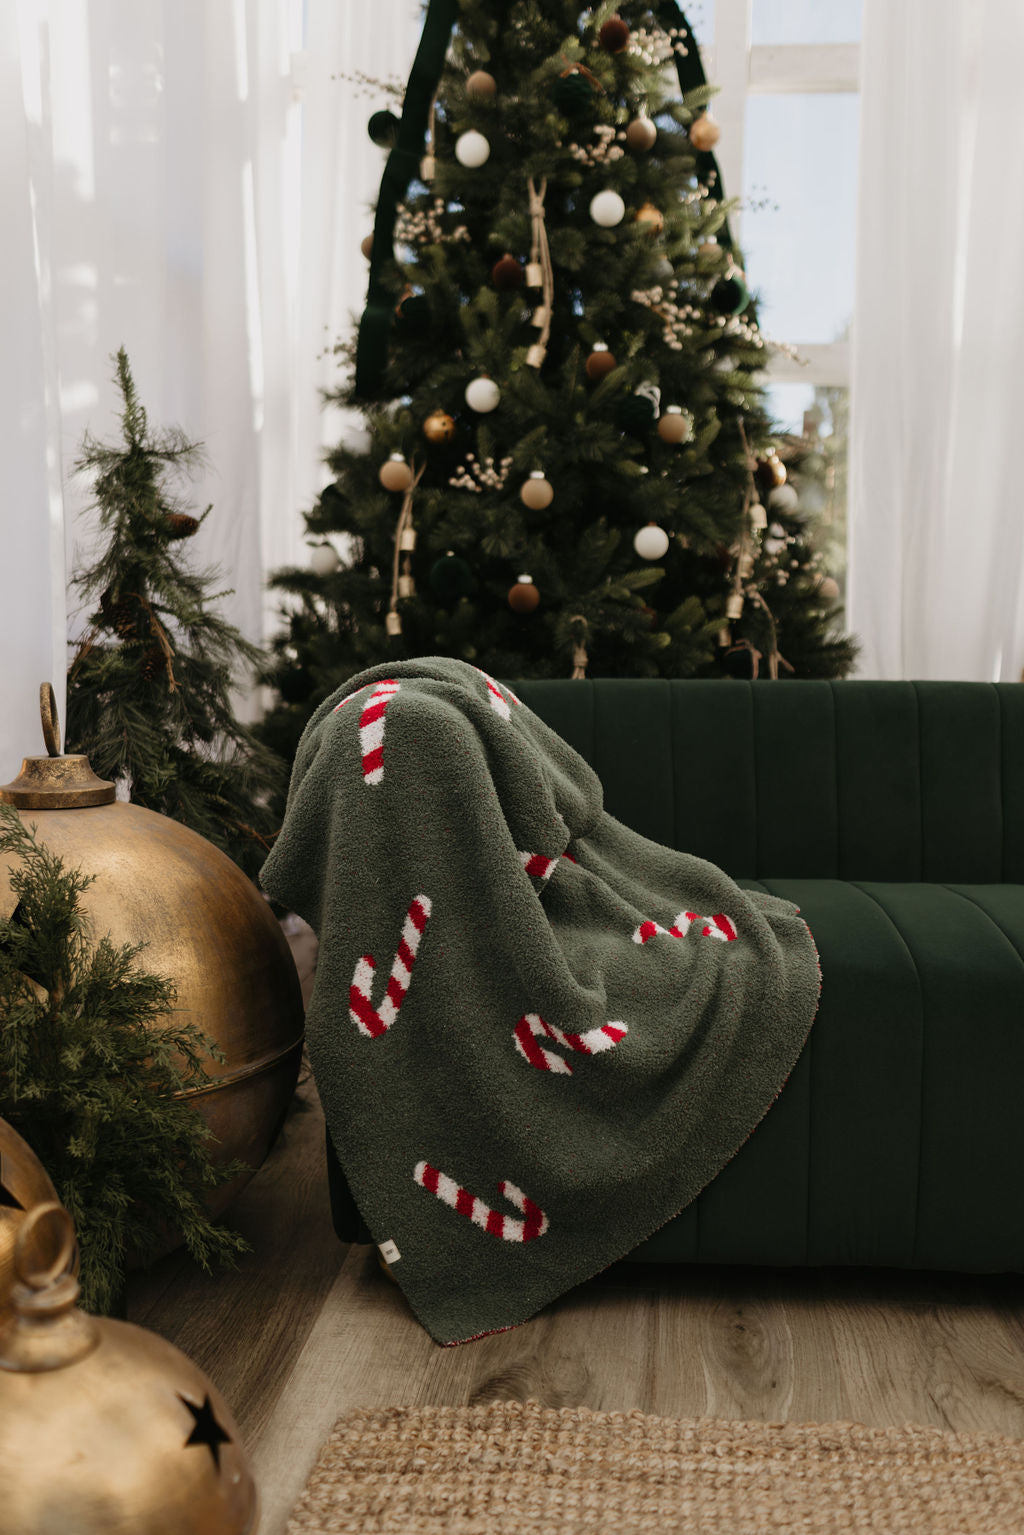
(513, 1468)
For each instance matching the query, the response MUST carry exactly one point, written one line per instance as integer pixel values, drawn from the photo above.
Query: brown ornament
(674, 425)
(536, 492)
(641, 133)
(600, 362)
(828, 588)
(395, 474)
(507, 274)
(480, 86)
(614, 35)
(704, 132)
(651, 217)
(439, 427)
(775, 469)
(523, 597)
(366, 246)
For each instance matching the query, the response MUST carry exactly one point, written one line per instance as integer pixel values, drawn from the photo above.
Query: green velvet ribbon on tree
(691, 76)
(403, 164)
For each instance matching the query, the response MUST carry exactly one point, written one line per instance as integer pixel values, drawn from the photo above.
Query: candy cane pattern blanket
(536, 1034)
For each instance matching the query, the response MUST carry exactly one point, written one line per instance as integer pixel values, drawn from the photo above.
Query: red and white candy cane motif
(361, 1010)
(592, 1043)
(371, 731)
(496, 698)
(541, 867)
(349, 697)
(492, 1221)
(719, 926)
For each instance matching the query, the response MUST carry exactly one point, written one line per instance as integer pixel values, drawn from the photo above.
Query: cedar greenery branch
(149, 687)
(93, 1063)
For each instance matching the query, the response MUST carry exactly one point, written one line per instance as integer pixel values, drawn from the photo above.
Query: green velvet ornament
(635, 414)
(730, 296)
(383, 128)
(412, 315)
(573, 95)
(451, 578)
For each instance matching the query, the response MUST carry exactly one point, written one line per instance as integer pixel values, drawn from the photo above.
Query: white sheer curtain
(192, 181)
(937, 532)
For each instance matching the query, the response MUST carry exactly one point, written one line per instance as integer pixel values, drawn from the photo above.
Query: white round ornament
(323, 559)
(651, 542)
(482, 395)
(607, 209)
(472, 149)
(783, 498)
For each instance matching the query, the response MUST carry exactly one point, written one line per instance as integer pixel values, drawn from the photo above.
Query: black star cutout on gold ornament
(206, 1430)
(7, 1197)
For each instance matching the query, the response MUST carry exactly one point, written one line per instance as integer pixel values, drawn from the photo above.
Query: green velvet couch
(892, 814)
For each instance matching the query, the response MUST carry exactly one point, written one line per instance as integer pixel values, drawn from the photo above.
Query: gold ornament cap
(48, 1331)
(55, 782)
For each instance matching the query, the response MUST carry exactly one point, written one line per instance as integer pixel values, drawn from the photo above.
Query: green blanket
(536, 1035)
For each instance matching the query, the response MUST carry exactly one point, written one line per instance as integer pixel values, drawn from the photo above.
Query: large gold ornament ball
(207, 927)
(704, 132)
(481, 86)
(600, 362)
(395, 474)
(536, 492)
(651, 218)
(641, 133)
(107, 1428)
(439, 426)
(523, 596)
(24, 1182)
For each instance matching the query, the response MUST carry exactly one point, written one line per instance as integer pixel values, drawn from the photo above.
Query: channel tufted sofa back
(902, 781)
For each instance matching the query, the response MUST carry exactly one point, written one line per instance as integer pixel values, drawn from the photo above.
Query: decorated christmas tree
(567, 459)
(149, 688)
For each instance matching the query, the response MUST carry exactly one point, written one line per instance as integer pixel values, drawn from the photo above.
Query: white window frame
(740, 70)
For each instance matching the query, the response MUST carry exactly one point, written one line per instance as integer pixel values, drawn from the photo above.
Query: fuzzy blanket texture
(536, 1035)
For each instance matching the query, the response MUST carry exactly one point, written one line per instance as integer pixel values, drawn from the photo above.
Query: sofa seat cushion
(899, 1138)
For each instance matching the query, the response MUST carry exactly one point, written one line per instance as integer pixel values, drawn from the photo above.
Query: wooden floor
(306, 1327)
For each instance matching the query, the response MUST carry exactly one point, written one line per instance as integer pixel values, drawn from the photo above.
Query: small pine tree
(92, 1066)
(149, 685)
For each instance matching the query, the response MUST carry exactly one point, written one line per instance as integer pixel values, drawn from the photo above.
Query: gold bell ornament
(204, 924)
(24, 1182)
(104, 1427)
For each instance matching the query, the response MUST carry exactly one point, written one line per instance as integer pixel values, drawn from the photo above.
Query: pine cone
(152, 662)
(180, 525)
(119, 613)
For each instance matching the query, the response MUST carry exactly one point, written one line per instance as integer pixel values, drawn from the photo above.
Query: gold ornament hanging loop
(50, 719)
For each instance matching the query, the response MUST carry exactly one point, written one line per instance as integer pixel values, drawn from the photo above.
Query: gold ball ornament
(828, 588)
(523, 597)
(439, 427)
(775, 470)
(395, 474)
(202, 923)
(536, 492)
(675, 425)
(480, 86)
(704, 132)
(366, 246)
(651, 217)
(641, 133)
(103, 1426)
(600, 362)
